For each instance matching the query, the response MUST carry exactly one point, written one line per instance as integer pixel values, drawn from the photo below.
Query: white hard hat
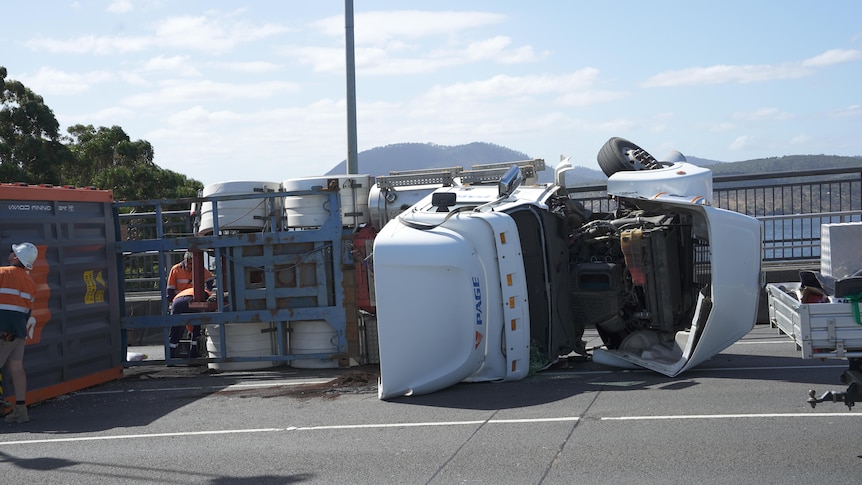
(26, 253)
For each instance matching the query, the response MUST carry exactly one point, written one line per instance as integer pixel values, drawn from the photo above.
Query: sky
(256, 90)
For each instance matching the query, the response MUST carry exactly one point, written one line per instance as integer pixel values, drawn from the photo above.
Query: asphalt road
(741, 417)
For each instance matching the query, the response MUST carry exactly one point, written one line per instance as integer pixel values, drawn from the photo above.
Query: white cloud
(107, 116)
(134, 78)
(833, 56)
(659, 122)
(378, 61)
(763, 114)
(800, 140)
(387, 43)
(210, 32)
(253, 67)
(589, 97)
(504, 86)
(744, 142)
(176, 92)
(101, 117)
(321, 59)
(89, 44)
(197, 135)
(380, 28)
(54, 81)
(214, 32)
(719, 127)
(722, 74)
(192, 116)
(852, 110)
(120, 6)
(177, 65)
(495, 49)
(520, 55)
(616, 126)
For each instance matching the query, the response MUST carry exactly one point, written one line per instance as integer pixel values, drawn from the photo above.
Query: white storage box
(840, 249)
(821, 330)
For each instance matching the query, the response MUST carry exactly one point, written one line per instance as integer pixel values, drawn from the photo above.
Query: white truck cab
(479, 282)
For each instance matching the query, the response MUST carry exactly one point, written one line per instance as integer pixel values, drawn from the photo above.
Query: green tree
(108, 159)
(31, 150)
(141, 182)
(103, 148)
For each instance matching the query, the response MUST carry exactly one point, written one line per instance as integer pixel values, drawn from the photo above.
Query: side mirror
(443, 200)
(510, 181)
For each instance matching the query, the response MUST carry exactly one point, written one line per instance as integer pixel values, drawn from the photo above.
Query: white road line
(732, 416)
(534, 420)
(137, 436)
(426, 424)
(441, 423)
(389, 425)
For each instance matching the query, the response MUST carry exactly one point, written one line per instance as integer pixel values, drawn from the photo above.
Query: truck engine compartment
(634, 275)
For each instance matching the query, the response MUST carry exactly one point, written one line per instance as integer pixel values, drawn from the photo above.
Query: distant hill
(702, 162)
(788, 163)
(415, 156)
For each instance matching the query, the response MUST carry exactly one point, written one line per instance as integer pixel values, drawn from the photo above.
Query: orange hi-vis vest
(180, 276)
(190, 292)
(17, 289)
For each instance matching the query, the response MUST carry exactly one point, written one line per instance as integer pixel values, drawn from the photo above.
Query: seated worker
(178, 306)
(181, 276)
(179, 281)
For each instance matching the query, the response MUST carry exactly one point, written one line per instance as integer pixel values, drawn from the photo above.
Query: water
(797, 238)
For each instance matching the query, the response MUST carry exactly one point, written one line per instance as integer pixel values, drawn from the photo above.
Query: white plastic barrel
(245, 214)
(313, 337)
(313, 210)
(241, 340)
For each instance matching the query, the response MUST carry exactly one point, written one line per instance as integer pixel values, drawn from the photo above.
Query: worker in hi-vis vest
(179, 287)
(17, 293)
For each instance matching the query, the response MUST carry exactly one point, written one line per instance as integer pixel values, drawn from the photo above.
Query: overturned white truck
(475, 281)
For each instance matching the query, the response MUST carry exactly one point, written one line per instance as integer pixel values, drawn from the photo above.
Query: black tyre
(619, 154)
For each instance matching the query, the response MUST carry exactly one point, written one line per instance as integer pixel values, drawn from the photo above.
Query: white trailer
(821, 311)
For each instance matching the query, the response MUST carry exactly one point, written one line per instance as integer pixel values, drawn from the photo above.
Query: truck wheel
(620, 154)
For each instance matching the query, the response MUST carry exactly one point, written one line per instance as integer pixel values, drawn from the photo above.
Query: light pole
(352, 156)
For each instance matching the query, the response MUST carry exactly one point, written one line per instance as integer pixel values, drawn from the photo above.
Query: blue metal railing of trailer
(274, 275)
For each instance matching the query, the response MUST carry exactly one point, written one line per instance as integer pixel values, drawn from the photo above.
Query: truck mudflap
(726, 309)
(447, 326)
